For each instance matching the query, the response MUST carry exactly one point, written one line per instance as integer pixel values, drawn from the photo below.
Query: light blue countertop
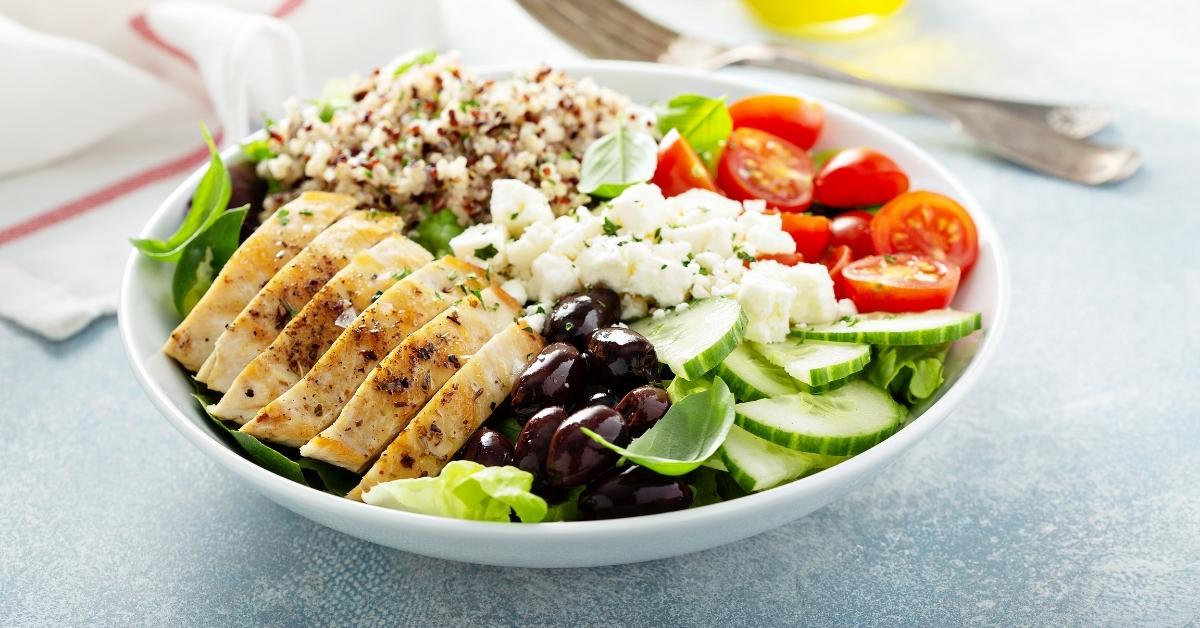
(1064, 491)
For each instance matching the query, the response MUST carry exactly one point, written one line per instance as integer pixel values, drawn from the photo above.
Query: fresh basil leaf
(690, 432)
(258, 150)
(423, 57)
(256, 451)
(208, 201)
(435, 232)
(203, 258)
(617, 161)
(910, 373)
(704, 122)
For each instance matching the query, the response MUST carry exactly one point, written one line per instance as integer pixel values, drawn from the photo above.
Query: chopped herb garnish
(486, 252)
(889, 259)
(378, 293)
(306, 212)
(540, 309)
(283, 216)
(658, 234)
(568, 326)
(470, 102)
(610, 228)
(401, 275)
(663, 267)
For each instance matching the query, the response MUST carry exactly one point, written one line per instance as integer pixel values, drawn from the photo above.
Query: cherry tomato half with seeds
(680, 169)
(794, 119)
(853, 229)
(927, 223)
(811, 233)
(900, 283)
(758, 165)
(859, 177)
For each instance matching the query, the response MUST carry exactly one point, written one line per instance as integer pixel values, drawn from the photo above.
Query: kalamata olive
(601, 398)
(489, 448)
(574, 458)
(554, 378)
(642, 408)
(621, 357)
(608, 304)
(573, 319)
(632, 491)
(529, 453)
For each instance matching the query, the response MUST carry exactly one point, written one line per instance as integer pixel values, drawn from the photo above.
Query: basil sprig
(688, 434)
(616, 161)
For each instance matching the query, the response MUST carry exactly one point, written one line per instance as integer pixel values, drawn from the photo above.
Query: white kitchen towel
(99, 119)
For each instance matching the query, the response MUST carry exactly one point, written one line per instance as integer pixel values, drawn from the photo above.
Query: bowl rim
(716, 513)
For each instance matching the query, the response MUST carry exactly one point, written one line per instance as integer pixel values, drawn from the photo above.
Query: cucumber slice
(882, 328)
(695, 340)
(758, 464)
(816, 363)
(750, 376)
(841, 422)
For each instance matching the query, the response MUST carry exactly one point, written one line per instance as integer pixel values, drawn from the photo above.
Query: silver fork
(1047, 138)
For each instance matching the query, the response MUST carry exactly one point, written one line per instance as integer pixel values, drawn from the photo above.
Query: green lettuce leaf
(204, 256)
(464, 490)
(567, 509)
(704, 122)
(208, 202)
(680, 387)
(910, 374)
(435, 232)
(687, 435)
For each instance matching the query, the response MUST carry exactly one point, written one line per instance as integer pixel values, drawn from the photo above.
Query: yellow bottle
(822, 18)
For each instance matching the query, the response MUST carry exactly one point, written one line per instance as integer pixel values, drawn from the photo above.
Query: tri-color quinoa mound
(426, 133)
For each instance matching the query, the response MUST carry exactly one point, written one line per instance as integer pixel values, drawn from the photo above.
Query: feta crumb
(766, 302)
(516, 290)
(815, 302)
(477, 238)
(516, 205)
(552, 276)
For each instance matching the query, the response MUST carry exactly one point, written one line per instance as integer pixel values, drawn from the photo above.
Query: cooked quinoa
(427, 133)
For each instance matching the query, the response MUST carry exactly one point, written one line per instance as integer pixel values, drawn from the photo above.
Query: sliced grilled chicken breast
(289, 291)
(437, 432)
(272, 245)
(404, 380)
(310, 334)
(315, 401)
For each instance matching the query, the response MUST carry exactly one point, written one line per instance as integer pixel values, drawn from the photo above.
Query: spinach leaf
(208, 201)
(690, 432)
(704, 122)
(259, 454)
(435, 232)
(617, 161)
(203, 258)
(336, 480)
(510, 427)
(910, 373)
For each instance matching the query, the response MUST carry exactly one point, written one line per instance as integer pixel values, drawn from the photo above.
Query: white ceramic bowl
(147, 317)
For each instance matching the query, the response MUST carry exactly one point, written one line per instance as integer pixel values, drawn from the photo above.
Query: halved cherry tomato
(794, 119)
(811, 233)
(787, 259)
(680, 169)
(900, 283)
(853, 229)
(756, 164)
(836, 259)
(926, 223)
(859, 177)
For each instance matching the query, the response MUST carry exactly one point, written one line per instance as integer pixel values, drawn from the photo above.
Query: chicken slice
(272, 245)
(406, 379)
(315, 401)
(437, 432)
(310, 334)
(289, 290)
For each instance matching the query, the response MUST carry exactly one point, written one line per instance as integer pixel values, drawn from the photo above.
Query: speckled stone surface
(1063, 492)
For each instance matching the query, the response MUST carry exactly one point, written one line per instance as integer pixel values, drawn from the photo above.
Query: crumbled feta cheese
(476, 239)
(516, 205)
(573, 232)
(603, 264)
(536, 240)
(765, 233)
(516, 290)
(535, 321)
(846, 307)
(766, 302)
(814, 302)
(638, 209)
(552, 276)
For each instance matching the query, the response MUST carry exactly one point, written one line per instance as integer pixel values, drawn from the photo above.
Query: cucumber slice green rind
(843, 422)
(919, 328)
(816, 363)
(751, 377)
(756, 464)
(694, 341)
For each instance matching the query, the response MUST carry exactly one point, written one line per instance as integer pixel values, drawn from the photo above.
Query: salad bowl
(146, 317)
